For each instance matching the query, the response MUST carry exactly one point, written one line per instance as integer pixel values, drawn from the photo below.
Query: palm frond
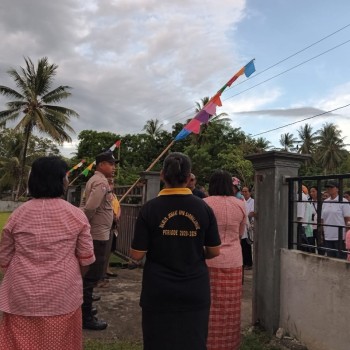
(8, 92)
(61, 109)
(56, 95)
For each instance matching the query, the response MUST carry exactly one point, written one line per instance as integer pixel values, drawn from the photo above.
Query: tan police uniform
(98, 206)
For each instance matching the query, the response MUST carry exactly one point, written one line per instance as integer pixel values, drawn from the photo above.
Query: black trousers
(246, 253)
(94, 274)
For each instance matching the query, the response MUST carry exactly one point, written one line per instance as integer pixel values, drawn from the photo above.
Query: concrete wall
(271, 223)
(9, 205)
(315, 300)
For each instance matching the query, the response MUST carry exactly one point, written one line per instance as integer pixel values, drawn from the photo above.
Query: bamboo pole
(70, 184)
(148, 169)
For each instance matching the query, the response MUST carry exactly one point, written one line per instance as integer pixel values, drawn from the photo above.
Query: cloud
(127, 61)
(286, 112)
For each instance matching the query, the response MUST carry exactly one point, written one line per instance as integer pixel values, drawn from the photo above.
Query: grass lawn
(118, 345)
(3, 219)
(256, 340)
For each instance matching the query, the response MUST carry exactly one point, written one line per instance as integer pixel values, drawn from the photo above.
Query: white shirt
(333, 213)
(249, 207)
(303, 209)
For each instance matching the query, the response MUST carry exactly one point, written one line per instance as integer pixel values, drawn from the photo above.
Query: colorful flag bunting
(115, 145)
(209, 109)
(111, 149)
(88, 169)
(76, 167)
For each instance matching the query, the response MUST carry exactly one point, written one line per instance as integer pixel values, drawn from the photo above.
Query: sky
(129, 61)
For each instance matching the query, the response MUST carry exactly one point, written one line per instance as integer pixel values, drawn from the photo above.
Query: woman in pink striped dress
(45, 247)
(225, 270)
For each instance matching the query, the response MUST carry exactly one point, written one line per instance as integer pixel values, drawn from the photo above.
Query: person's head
(192, 182)
(246, 193)
(176, 170)
(220, 184)
(347, 195)
(47, 178)
(313, 193)
(332, 188)
(236, 183)
(105, 164)
(325, 195)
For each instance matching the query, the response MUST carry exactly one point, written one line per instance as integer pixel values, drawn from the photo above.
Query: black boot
(93, 311)
(95, 297)
(94, 324)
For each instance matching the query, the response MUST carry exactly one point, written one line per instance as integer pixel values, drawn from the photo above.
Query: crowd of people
(323, 220)
(195, 245)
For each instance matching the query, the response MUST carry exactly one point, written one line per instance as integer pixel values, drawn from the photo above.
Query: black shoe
(94, 324)
(96, 297)
(93, 311)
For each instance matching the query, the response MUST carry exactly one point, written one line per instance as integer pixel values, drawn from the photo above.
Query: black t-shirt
(173, 229)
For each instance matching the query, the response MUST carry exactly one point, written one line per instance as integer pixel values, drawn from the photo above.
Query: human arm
(137, 254)
(211, 252)
(347, 222)
(139, 245)
(95, 197)
(84, 250)
(7, 249)
(212, 238)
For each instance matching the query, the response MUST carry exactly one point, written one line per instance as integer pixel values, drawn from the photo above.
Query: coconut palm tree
(153, 128)
(331, 150)
(32, 106)
(287, 141)
(308, 139)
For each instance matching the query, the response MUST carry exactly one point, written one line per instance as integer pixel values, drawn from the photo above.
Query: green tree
(331, 150)
(307, 139)
(153, 128)
(9, 173)
(250, 145)
(34, 100)
(287, 141)
(11, 144)
(233, 161)
(92, 142)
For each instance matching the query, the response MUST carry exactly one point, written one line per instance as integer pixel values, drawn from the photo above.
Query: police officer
(99, 211)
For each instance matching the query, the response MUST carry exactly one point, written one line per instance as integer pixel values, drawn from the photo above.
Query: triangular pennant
(202, 116)
(216, 100)
(210, 107)
(194, 125)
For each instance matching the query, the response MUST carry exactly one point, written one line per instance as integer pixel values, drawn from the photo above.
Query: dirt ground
(119, 306)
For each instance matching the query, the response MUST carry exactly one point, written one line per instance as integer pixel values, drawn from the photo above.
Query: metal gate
(296, 235)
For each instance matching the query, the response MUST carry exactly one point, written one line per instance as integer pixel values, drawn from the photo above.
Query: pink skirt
(225, 311)
(41, 332)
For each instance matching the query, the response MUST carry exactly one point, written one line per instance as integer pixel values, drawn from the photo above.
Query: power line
(287, 58)
(302, 120)
(289, 69)
(275, 64)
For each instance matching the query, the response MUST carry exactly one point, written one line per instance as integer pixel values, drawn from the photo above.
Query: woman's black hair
(220, 184)
(46, 177)
(176, 169)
